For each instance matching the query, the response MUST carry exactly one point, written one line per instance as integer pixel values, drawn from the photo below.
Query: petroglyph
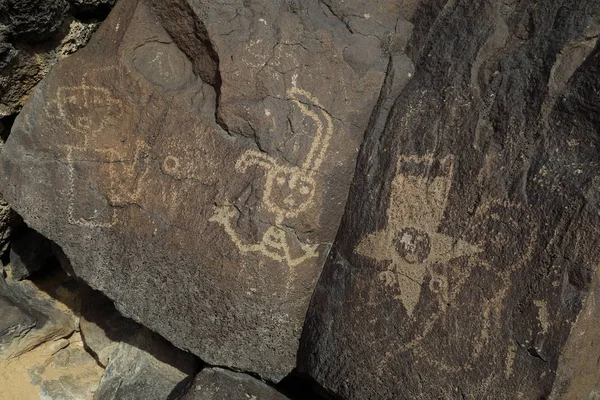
(288, 190)
(411, 244)
(87, 108)
(275, 243)
(125, 176)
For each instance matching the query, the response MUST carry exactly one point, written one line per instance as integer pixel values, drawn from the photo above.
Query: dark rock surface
(145, 366)
(471, 232)
(193, 161)
(29, 252)
(198, 162)
(102, 327)
(217, 384)
(32, 20)
(35, 35)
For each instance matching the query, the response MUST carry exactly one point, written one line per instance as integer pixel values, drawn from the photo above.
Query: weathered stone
(145, 366)
(29, 252)
(29, 317)
(7, 220)
(93, 7)
(196, 170)
(102, 327)
(14, 323)
(217, 384)
(578, 374)
(67, 373)
(32, 20)
(55, 370)
(23, 66)
(471, 231)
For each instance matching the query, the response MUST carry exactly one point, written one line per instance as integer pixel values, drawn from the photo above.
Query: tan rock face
(193, 162)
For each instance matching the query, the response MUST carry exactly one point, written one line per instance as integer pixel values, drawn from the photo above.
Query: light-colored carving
(275, 243)
(89, 222)
(411, 243)
(87, 108)
(124, 180)
(288, 190)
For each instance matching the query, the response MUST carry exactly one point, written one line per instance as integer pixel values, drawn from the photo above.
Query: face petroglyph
(288, 190)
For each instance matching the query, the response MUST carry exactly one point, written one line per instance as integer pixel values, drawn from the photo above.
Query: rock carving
(288, 190)
(411, 243)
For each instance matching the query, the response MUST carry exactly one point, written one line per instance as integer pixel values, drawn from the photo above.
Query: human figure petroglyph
(288, 190)
(411, 243)
(275, 243)
(89, 110)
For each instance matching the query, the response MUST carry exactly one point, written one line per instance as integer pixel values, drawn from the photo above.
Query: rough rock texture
(217, 384)
(30, 316)
(193, 161)
(54, 370)
(145, 366)
(471, 232)
(32, 20)
(578, 374)
(34, 35)
(7, 218)
(102, 327)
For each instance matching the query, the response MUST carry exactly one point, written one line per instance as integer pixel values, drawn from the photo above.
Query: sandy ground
(60, 369)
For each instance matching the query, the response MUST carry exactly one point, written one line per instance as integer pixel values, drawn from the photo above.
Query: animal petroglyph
(411, 244)
(288, 190)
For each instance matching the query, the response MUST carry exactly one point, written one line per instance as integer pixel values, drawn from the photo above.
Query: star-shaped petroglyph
(411, 243)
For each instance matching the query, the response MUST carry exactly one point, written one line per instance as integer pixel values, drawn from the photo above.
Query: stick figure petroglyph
(288, 190)
(411, 243)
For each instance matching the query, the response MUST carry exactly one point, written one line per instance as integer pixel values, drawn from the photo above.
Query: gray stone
(30, 317)
(196, 171)
(68, 373)
(8, 219)
(102, 327)
(469, 240)
(145, 366)
(14, 323)
(217, 384)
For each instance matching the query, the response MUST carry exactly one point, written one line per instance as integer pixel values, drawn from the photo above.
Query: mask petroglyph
(411, 244)
(288, 190)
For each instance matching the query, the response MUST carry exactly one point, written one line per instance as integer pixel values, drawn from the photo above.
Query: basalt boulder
(217, 383)
(470, 237)
(193, 161)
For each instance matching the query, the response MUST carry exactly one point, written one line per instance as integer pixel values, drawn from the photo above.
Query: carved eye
(280, 180)
(304, 189)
